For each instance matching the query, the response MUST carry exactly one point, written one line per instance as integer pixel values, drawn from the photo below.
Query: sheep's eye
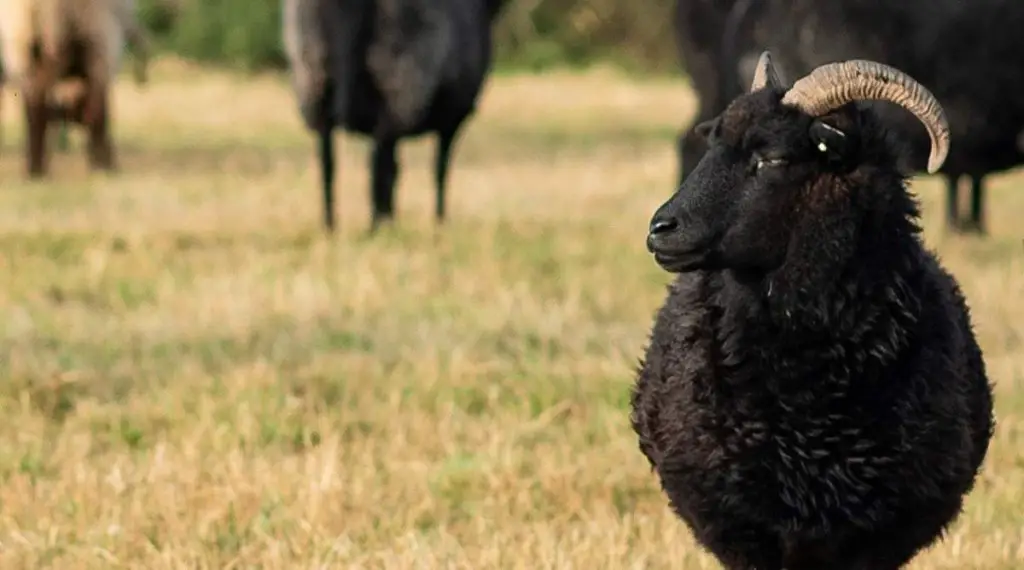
(762, 162)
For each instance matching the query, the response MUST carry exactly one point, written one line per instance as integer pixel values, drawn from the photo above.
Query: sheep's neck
(869, 312)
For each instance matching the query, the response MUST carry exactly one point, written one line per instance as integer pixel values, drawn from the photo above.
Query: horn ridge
(833, 85)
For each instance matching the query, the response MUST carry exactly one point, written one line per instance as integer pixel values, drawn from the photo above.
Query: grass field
(194, 377)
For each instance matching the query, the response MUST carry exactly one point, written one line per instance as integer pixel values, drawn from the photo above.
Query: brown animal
(62, 56)
(136, 40)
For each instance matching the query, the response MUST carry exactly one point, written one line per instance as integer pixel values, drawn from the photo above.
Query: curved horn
(833, 85)
(765, 73)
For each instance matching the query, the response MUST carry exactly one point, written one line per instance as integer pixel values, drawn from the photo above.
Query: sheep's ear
(703, 130)
(829, 141)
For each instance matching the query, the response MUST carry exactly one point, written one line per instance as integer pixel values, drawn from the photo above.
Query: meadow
(193, 376)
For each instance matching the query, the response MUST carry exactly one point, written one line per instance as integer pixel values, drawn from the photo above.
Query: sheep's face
(765, 166)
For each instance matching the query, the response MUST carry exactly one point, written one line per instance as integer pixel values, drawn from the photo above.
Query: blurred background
(193, 374)
(531, 34)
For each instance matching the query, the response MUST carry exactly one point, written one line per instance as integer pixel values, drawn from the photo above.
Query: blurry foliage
(541, 33)
(532, 34)
(244, 34)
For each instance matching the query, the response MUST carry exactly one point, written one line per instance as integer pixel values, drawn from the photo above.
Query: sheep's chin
(681, 262)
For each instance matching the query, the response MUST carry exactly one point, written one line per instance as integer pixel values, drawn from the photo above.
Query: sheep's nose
(659, 227)
(662, 225)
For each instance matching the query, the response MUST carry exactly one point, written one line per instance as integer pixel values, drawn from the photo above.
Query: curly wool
(412, 43)
(834, 412)
(405, 57)
(307, 55)
(866, 430)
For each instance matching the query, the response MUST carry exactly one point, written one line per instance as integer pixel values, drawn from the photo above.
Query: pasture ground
(194, 377)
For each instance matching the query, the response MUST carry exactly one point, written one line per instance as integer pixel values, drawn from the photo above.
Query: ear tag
(821, 144)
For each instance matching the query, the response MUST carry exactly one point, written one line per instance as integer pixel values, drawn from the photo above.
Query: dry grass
(193, 377)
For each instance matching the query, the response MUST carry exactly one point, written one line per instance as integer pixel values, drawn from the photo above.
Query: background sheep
(136, 40)
(52, 41)
(387, 69)
(967, 57)
(698, 26)
(813, 395)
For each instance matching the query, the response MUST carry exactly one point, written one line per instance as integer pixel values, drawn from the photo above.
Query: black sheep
(965, 54)
(387, 69)
(813, 396)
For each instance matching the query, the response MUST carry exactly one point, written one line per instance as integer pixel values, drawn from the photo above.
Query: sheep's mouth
(679, 256)
(680, 262)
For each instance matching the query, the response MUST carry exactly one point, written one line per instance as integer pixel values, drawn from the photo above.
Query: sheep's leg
(36, 119)
(37, 112)
(977, 204)
(327, 169)
(97, 120)
(384, 175)
(95, 112)
(445, 140)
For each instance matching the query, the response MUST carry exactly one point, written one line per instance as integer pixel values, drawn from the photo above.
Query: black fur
(389, 69)
(967, 54)
(813, 396)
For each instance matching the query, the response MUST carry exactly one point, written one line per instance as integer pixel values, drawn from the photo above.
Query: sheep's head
(790, 164)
